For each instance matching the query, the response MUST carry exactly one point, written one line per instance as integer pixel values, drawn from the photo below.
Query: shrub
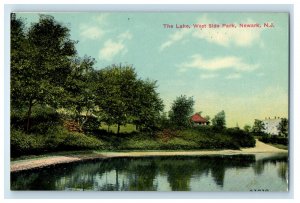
(79, 141)
(274, 139)
(55, 139)
(241, 137)
(22, 144)
(42, 118)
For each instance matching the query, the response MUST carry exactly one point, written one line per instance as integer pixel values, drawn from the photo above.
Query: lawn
(128, 128)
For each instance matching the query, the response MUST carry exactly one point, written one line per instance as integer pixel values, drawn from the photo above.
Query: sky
(241, 70)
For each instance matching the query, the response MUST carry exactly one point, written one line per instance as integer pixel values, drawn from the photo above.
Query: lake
(260, 172)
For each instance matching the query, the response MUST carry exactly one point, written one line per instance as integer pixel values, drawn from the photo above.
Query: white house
(271, 125)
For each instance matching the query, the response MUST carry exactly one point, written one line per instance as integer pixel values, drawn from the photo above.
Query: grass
(279, 146)
(128, 128)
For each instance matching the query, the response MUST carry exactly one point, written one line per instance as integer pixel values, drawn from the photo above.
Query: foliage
(218, 122)
(55, 139)
(283, 127)
(188, 139)
(274, 139)
(128, 128)
(22, 144)
(148, 106)
(181, 110)
(258, 127)
(40, 63)
(123, 98)
(243, 138)
(80, 90)
(43, 117)
(207, 118)
(247, 128)
(91, 125)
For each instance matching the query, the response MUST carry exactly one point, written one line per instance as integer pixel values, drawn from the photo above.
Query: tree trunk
(28, 115)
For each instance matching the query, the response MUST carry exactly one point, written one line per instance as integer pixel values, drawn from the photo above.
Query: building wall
(271, 126)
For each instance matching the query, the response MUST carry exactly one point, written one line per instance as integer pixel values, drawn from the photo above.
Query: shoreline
(44, 161)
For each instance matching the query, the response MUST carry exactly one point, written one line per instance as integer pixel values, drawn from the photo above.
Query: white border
(260, 6)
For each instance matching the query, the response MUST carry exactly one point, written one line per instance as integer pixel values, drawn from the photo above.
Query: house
(271, 125)
(197, 119)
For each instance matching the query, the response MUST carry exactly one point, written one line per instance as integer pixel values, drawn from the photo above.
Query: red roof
(197, 118)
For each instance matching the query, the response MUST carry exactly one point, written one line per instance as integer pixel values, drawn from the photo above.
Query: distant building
(197, 119)
(271, 125)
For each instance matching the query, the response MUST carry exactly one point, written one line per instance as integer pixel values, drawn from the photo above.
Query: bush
(243, 138)
(42, 118)
(55, 139)
(79, 141)
(274, 140)
(23, 144)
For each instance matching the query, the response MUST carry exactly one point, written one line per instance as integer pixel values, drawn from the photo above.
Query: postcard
(149, 101)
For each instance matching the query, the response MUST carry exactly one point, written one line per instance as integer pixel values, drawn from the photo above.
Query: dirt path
(51, 160)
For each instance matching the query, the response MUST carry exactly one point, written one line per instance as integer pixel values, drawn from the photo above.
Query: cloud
(110, 50)
(95, 29)
(91, 32)
(241, 37)
(125, 36)
(114, 47)
(173, 38)
(217, 63)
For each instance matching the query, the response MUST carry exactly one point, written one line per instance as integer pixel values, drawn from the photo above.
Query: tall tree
(18, 59)
(41, 76)
(181, 110)
(147, 105)
(283, 127)
(116, 93)
(80, 90)
(258, 126)
(219, 121)
(123, 98)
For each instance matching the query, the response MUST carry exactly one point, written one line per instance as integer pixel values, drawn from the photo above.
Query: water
(262, 172)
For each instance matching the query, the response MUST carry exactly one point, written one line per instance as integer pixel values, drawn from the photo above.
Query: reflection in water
(156, 174)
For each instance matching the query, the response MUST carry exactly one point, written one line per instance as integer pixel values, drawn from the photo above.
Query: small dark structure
(197, 119)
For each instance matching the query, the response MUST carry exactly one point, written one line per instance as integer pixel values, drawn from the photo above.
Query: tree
(80, 90)
(283, 127)
(39, 76)
(247, 128)
(181, 110)
(147, 106)
(218, 122)
(207, 118)
(258, 126)
(123, 98)
(18, 58)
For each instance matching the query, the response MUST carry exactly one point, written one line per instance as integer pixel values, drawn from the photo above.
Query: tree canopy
(181, 110)
(41, 58)
(46, 70)
(219, 121)
(124, 98)
(283, 127)
(258, 126)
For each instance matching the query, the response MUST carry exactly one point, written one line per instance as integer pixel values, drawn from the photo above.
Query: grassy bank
(60, 139)
(49, 134)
